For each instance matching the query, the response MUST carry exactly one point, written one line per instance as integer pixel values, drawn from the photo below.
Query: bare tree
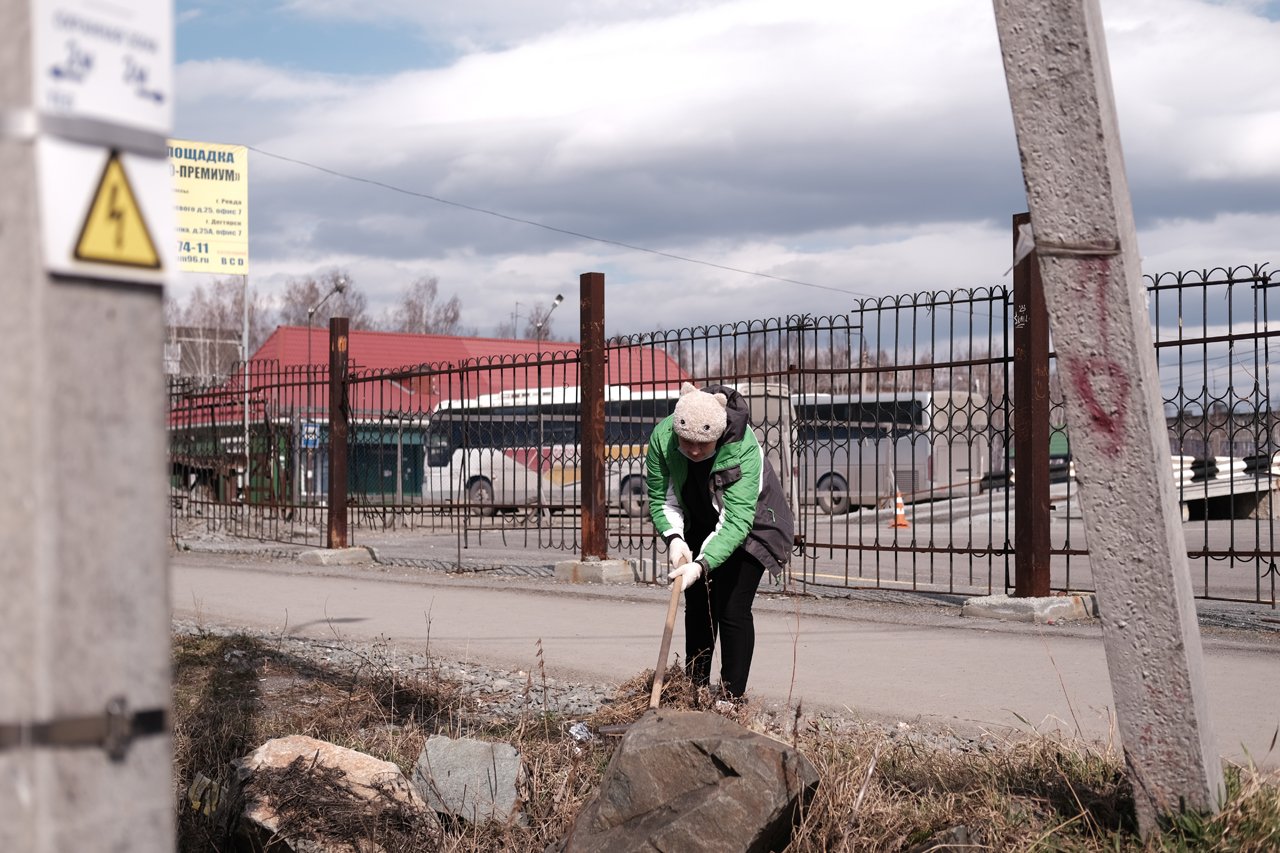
(208, 327)
(172, 312)
(421, 312)
(301, 295)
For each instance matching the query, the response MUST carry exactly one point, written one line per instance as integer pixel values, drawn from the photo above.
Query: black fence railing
(890, 425)
(1214, 342)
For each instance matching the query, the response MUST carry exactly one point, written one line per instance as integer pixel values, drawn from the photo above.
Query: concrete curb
(1046, 611)
(337, 557)
(596, 571)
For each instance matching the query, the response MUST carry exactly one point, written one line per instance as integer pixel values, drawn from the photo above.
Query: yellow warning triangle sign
(114, 231)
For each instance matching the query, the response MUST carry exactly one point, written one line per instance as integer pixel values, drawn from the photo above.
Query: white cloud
(1187, 76)
(866, 147)
(1222, 240)
(479, 25)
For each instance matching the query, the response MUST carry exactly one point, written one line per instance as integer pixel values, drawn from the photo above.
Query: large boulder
(474, 780)
(692, 781)
(312, 796)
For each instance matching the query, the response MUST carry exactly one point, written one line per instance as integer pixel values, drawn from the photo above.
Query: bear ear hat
(700, 417)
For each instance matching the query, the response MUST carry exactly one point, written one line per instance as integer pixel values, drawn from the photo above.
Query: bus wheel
(634, 497)
(833, 494)
(480, 497)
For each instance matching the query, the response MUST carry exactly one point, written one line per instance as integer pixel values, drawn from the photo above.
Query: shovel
(660, 672)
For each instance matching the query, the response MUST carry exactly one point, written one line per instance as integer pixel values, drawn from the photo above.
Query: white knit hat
(700, 417)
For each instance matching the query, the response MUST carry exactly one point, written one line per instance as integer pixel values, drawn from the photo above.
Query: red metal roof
(428, 365)
(388, 350)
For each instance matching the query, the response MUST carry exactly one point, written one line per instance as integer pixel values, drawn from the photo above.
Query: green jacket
(745, 491)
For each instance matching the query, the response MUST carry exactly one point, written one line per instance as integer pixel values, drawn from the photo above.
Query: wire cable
(566, 231)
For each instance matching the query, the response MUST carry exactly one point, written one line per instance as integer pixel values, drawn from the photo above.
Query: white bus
(485, 452)
(856, 451)
(502, 452)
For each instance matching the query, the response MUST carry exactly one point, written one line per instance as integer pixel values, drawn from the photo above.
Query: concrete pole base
(1045, 611)
(337, 557)
(596, 571)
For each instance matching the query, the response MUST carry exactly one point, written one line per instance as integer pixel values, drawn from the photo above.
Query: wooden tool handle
(659, 674)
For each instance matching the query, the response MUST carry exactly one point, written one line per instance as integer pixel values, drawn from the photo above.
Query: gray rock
(474, 780)
(693, 781)
(372, 785)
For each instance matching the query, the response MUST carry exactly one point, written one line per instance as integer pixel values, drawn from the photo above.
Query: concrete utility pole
(85, 757)
(1063, 109)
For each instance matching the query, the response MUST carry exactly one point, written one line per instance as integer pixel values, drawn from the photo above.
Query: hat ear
(687, 388)
(722, 400)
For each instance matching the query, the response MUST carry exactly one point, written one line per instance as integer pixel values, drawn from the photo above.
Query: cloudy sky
(852, 148)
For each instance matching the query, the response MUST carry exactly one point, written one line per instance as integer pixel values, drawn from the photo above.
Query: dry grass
(878, 790)
(313, 801)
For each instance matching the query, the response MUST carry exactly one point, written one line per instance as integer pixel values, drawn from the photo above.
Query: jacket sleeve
(664, 504)
(738, 513)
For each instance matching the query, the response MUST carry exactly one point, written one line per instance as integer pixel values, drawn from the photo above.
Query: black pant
(721, 604)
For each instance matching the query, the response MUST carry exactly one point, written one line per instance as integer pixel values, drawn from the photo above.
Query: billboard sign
(211, 200)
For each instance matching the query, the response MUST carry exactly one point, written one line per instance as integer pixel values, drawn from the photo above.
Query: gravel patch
(498, 692)
(508, 695)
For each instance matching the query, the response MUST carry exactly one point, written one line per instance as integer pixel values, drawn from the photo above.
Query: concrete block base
(595, 571)
(336, 557)
(1054, 608)
(644, 569)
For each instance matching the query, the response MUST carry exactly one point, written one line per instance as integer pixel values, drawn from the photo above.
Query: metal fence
(891, 426)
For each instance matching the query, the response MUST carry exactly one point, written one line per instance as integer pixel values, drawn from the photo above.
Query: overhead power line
(498, 214)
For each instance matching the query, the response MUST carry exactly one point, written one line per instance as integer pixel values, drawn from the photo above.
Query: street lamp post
(538, 329)
(539, 326)
(339, 286)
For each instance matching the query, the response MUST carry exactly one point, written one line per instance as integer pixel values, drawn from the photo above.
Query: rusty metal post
(591, 376)
(338, 416)
(1030, 426)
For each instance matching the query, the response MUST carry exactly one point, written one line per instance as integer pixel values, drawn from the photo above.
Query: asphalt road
(917, 662)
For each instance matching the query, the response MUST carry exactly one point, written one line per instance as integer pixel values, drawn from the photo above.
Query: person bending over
(717, 503)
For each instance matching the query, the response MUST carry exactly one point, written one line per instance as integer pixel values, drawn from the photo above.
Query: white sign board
(104, 214)
(103, 87)
(110, 61)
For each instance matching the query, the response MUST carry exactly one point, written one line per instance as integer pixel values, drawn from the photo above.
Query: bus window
(439, 448)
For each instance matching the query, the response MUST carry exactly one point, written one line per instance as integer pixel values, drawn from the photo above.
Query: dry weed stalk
(879, 790)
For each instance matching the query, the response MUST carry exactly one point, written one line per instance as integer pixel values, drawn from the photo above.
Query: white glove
(678, 553)
(688, 573)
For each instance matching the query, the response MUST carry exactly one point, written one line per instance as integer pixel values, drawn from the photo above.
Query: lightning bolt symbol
(116, 214)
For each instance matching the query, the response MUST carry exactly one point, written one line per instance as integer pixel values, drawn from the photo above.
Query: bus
(507, 451)
(630, 422)
(485, 452)
(860, 450)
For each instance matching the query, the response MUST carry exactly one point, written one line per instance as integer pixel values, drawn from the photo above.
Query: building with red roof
(408, 373)
(396, 382)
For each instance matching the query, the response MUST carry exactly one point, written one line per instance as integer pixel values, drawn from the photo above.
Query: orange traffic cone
(899, 512)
